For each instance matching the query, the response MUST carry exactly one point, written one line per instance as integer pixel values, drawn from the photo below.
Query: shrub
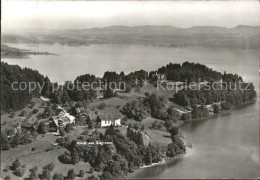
(71, 174)
(68, 128)
(33, 175)
(12, 115)
(57, 176)
(50, 148)
(81, 173)
(7, 178)
(136, 126)
(6, 169)
(33, 148)
(86, 132)
(46, 174)
(42, 128)
(50, 167)
(23, 113)
(62, 132)
(91, 170)
(185, 116)
(142, 127)
(60, 141)
(101, 106)
(225, 105)
(65, 158)
(216, 108)
(15, 164)
(19, 172)
(92, 177)
(35, 111)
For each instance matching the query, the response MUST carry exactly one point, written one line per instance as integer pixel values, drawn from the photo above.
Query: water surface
(96, 59)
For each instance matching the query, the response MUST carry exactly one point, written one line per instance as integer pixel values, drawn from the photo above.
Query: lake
(96, 59)
(226, 146)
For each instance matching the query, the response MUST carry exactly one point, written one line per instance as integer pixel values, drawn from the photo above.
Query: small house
(60, 119)
(58, 122)
(79, 110)
(110, 119)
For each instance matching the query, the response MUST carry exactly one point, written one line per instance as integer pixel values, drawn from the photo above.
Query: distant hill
(169, 36)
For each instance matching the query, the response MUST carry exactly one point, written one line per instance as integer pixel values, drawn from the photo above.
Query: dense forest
(186, 72)
(17, 99)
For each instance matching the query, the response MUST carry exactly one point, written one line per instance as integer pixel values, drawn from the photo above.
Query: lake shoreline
(189, 149)
(224, 112)
(12, 52)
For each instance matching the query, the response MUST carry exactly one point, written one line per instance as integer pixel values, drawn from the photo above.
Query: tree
(136, 126)
(46, 174)
(135, 109)
(12, 115)
(16, 139)
(33, 175)
(19, 171)
(181, 98)
(142, 127)
(74, 156)
(173, 114)
(91, 170)
(7, 178)
(106, 176)
(216, 108)
(15, 164)
(35, 111)
(147, 94)
(71, 174)
(148, 159)
(225, 105)
(92, 177)
(50, 167)
(171, 150)
(68, 128)
(155, 125)
(174, 131)
(26, 138)
(42, 128)
(185, 116)
(168, 124)
(58, 176)
(4, 142)
(65, 158)
(81, 173)
(101, 106)
(23, 113)
(62, 132)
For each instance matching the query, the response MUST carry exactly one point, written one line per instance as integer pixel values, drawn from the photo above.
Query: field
(7, 121)
(150, 88)
(40, 157)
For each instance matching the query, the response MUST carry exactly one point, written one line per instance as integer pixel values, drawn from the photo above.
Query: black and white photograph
(104, 90)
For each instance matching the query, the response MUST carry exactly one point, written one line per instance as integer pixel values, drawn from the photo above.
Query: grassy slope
(40, 157)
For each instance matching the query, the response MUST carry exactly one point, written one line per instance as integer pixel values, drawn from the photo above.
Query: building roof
(63, 118)
(109, 116)
(79, 109)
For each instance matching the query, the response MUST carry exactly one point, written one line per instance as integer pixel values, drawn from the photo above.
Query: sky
(89, 14)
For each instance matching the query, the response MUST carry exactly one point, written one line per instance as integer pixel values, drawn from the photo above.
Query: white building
(114, 122)
(110, 119)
